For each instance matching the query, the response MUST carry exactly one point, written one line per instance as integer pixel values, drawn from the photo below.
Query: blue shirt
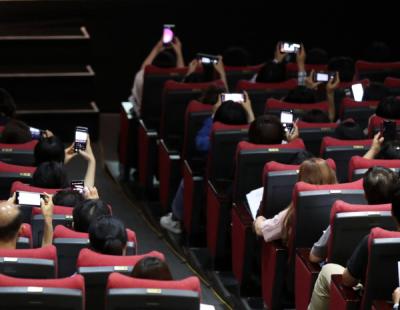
(203, 136)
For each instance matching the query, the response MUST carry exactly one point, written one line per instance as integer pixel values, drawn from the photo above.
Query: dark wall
(124, 32)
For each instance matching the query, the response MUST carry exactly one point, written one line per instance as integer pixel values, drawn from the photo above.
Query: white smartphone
(358, 91)
(168, 34)
(236, 97)
(287, 120)
(27, 198)
(81, 135)
(289, 47)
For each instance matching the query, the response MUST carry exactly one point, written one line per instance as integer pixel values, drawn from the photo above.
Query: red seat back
(359, 165)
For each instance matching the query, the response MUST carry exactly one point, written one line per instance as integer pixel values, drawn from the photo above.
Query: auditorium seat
(377, 71)
(236, 73)
(360, 112)
(392, 85)
(358, 166)
(10, 173)
(375, 125)
(18, 154)
(313, 133)
(275, 106)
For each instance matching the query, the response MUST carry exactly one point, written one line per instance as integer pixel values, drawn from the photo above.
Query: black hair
(389, 150)
(266, 129)
(236, 56)
(16, 132)
(88, 210)
(231, 113)
(300, 157)
(378, 183)
(211, 94)
(349, 130)
(301, 94)
(165, 59)
(68, 198)
(315, 116)
(378, 51)
(151, 268)
(271, 72)
(345, 66)
(7, 104)
(375, 91)
(108, 235)
(317, 56)
(388, 107)
(49, 149)
(50, 174)
(9, 231)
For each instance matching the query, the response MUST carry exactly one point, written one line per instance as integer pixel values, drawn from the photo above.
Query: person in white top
(314, 171)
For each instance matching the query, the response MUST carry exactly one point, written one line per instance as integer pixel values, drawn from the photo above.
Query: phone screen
(321, 77)
(28, 198)
(358, 92)
(236, 97)
(208, 60)
(36, 133)
(287, 47)
(286, 117)
(168, 34)
(78, 185)
(81, 135)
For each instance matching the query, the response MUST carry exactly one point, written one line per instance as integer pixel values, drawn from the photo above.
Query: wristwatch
(396, 306)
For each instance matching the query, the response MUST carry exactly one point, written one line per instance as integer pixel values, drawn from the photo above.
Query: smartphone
(207, 59)
(236, 97)
(28, 198)
(78, 186)
(323, 76)
(357, 91)
(287, 120)
(36, 133)
(389, 130)
(81, 135)
(168, 34)
(289, 47)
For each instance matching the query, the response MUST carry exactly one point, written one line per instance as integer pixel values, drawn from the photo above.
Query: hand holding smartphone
(78, 186)
(168, 34)
(207, 59)
(36, 133)
(81, 136)
(28, 198)
(287, 120)
(235, 97)
(323, 77)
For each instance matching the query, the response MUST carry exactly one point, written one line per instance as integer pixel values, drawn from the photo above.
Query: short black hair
(378, 183)
(375, 91)
(108, 235)
(9, 231)
(88, 210)
(211, 94)
(345, 66)
(266, 129)
(16, 132)
(68, 198)
(349, 130)
(301, 94)
(388, 107)
(231, 113)
(165, 59)
(271, 72)
(315, 116)
(50, 174)
(151, 268)
(49, 149)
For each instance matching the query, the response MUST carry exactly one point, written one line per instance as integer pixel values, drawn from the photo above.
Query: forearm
(149, 59)
(90, 173)
(180, 63)
(370, 154)
(47, 231)
(348, 280)
(250, 115)
(331, 108)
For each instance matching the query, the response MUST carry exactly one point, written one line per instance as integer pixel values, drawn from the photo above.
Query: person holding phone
(160, 56)
(273, 71)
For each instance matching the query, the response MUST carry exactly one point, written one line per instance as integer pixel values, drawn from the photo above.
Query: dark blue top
(203, 136)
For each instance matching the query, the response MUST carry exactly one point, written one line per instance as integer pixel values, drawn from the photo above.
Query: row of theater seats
(28, 281)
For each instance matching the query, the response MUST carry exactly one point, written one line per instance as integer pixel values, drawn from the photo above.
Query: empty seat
(18, 154)
(66, 293)
(274, 106)
(24, 240)
(124, 291)
(359, 165)
(29, 263)
(312, 134)
(10, 173)
(360, 112)
(236, 73)
(392, 85)
(377, 71)
(375, 125)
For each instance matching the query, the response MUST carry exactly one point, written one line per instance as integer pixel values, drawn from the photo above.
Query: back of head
(316, 171)
(231, 113)
(236, 56)
(151, 268)
(317, 56)
(165, 59)
(300, 157)
(16, 132)
(378, 185)
(266, 129)
(271, 72)
(211, 94)
(50, 174)
(7, 104)
(87, 211)
(388, 107)
(315, 116)
(49, 149)
(390, 150)
(349, 130)
(10, 221)
(345, 66)
(378, 52)
(108, 235)
(375, 91)
(68, 198)
(301, 94)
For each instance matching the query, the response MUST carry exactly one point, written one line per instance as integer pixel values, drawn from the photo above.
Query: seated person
(377, 184)
(49, 148)
(381, 149)
(151, 268)
(273, 71)
(314, 171)
(108, 235)
(87, 211)
(344, 66)
(349, 130)
(11, 222)
(375, 91)
(162, 57)
(67, 198)
(7, 107)
(356, 265)
(396, 298)
(315, 116)
(388, 108)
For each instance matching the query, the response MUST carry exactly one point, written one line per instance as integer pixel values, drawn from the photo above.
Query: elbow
(315, 259)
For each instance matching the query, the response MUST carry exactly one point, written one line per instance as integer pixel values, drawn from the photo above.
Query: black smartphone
(289, 47)
(287, 120)
(78, 186)
(207, 59)
(168, 34)
(236, 97)
(389, 130)
(28, 198)
(323, 77)
(36, 133)
(81, 136)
